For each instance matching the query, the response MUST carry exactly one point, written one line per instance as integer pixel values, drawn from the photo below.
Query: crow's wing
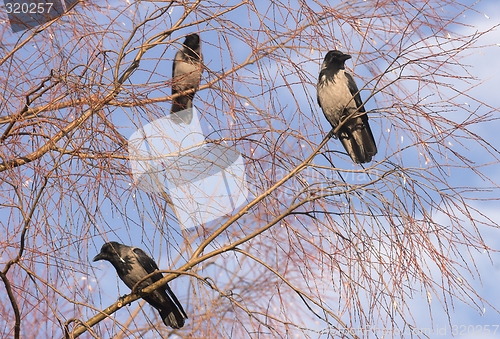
(356, 134)
(320, 80)
(351, 84)
(145, 260)
(173, 67)
(148, 265)
(164, 299)
(185, 75)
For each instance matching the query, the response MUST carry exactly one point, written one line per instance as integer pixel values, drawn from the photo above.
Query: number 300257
(33, 8)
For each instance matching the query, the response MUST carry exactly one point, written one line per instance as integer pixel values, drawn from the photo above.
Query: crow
(186, 74)
(132, 264)
(339, 98)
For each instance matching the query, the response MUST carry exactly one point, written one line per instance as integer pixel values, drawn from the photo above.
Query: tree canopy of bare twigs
(323, 248)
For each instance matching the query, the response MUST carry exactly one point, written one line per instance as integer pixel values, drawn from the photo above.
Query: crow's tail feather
(181, 103)
(357, 138)
(170, 309)
(172, 317)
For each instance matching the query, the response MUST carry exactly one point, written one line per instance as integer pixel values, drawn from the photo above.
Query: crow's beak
(346, 57)
(98, 257)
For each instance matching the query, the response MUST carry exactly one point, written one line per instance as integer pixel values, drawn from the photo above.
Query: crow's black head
(192, 41)
(335, 58)
(118, 255)
(110, 251)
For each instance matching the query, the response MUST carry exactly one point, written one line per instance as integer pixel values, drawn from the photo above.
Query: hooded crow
(186, 73)
(339, 98)
(132, 264)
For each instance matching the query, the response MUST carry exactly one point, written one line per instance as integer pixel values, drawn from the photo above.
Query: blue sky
(467, 321)
(143, 225)
(470, 321)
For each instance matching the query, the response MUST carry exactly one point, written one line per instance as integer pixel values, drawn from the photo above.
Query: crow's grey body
(132, 264)
(186, 72)
(339, 98)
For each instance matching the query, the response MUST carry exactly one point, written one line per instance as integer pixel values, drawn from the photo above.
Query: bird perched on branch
(339, 98)
(186, 73)
(132, 264)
